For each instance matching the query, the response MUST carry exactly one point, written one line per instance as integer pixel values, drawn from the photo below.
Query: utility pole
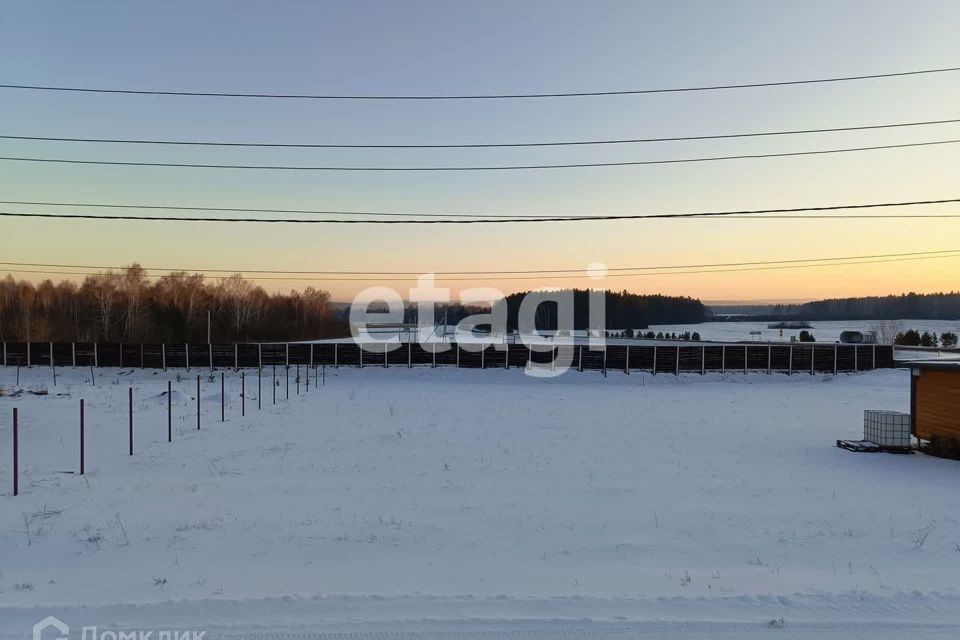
(209, 341)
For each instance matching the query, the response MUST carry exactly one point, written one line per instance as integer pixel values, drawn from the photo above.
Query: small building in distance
(935, 404)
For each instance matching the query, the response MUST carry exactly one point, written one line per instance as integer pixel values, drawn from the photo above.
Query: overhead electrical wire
(574, 271)
(577, 165)
(453, 218)
(564, 143)
(532, 277)
(492, 96)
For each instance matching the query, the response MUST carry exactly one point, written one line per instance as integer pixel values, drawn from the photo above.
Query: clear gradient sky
(445, 47)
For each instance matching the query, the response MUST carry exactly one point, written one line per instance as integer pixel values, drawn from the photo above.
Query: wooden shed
(935, 400)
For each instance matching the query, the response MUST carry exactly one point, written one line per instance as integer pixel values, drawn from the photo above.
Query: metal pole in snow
(223, 413)
(298, 380)
(169, 411)
(288, 381)
(198, 403)
(243, 396)
(274, 384)
(259, 386)
(82, 467)
(16, 453)
(130, 413)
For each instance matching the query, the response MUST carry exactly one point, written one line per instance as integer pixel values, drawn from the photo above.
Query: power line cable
(452, 218)
(496, 96)
(565, 143)
(648, 271)
(577, 270)
(537, 277)
(579, 165)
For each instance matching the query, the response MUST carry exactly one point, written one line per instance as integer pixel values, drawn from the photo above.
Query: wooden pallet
(865, 446)
(859, 446)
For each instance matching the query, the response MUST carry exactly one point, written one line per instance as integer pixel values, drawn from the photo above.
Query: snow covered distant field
(822, 330)
(460, 503)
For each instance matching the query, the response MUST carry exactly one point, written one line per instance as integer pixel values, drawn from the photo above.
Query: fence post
(769, 359)
(856, 358)
(274, 384)
(186, 350)
(653, 369)
(310, 366)
(73, 354)
(360, 346)
(813, 358)
(385, 352)
(604, 357)
(223, 400)
(409, 355)
(287, 369)
(298, 379)
(259, 387)
(336, 362)
(198, 402)
(703, 359)
(457, 347)
(834, 359)
(210, 354)
(16, 450)
(723, 359)
(260, 355)
(243, 396)
(130, 411)
(874, 363)
(163, 355)
(506, 364)
(626, 366)
(51, 364)
(790, 363)
(169, 411)
(96, 355)
(288, 355)
(28, 353)
(483, 359)
(236, 356)
(307, 369)
(745, 357)
(82, 466)
(433, 365)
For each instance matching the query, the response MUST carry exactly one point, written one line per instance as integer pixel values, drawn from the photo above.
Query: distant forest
(126, 307)
(624, 310)
(929, 306)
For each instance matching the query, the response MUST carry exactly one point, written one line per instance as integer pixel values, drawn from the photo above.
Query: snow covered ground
(462, 503)
(822, 330)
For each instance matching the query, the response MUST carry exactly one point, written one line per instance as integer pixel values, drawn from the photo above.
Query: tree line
(930, 306)
(125, 306)
(624, 310)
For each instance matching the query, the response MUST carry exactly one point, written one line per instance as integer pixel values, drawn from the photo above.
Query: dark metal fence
(696, 358)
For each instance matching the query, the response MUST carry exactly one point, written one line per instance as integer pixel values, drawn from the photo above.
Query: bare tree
(887, 330)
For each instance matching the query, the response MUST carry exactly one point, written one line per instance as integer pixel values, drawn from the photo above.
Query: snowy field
(457, 503)
(822, 330)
